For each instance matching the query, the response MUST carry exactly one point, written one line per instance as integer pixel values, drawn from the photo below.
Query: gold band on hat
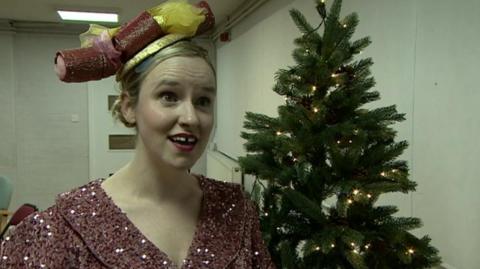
(105, 51)
(148, 51)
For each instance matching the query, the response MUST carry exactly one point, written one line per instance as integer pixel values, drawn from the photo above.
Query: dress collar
(116, 241)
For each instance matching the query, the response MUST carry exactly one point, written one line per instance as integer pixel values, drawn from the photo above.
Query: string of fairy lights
(357, 249)
(355, 193)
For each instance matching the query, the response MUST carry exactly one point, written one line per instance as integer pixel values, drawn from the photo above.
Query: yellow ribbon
(178, 17)
(174, 16)
(86, 39)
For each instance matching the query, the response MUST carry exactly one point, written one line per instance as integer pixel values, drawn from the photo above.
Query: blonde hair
(132, 80)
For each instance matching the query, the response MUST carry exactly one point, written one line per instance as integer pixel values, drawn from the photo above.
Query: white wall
(102, 160)
(8, 152)
(425, 55)
(447, 127)
(43, 151)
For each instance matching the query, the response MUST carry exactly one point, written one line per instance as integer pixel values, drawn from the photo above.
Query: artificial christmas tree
(324, 145)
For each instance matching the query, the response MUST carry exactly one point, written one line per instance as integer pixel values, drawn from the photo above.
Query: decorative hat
(105, 52)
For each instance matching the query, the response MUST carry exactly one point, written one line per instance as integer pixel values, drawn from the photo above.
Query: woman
(152, 213)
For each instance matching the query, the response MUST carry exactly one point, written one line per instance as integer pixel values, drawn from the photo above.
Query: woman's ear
(128, 111)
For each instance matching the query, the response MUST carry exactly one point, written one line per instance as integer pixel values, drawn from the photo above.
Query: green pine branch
(328, 159)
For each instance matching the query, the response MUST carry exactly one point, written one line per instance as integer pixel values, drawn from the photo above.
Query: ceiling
(45, 10)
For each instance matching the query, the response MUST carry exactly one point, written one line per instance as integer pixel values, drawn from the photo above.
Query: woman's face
(177, 96)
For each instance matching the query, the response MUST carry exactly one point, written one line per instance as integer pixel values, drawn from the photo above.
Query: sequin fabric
(85, 229)
(136, 34)
(86, 64)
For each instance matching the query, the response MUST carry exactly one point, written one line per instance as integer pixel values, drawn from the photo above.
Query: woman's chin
(181, 163)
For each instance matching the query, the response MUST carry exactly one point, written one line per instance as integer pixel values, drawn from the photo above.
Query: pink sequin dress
(85, 229)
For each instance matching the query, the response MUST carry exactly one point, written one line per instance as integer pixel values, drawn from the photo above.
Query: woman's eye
(206, 101)
(168, 96)
(172, 97)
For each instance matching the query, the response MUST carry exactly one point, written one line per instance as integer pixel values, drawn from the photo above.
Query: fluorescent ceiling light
(87, 16)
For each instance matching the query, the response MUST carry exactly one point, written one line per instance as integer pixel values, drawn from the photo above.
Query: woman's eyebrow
(167, 82)
(173, 83)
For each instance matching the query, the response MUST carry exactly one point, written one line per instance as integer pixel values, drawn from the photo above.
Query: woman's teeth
(184, 140)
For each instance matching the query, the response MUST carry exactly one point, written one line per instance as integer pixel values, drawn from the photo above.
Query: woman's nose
(188, 115)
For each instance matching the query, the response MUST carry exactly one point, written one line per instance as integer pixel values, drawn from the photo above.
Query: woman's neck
(143, 182)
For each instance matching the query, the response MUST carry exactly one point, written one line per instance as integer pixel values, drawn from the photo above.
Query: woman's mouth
(183, 144)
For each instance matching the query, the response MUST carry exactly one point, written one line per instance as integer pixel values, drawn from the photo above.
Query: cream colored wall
(104, 161)
(447, 127)
(8, 146)
(425, 55)
(42, 150)
(222, 168)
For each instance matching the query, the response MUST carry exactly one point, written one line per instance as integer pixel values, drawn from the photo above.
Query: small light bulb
(334, 75)
(266, 213)
(338, 142)
(349, 201)
(410, 251)
(367, 246)
(279, 133)
(394, 170)
(317, 248)
(314, 88)
(332, 245)
(369, 195)
(315, 110)
(356, 192)
(345, 26)
(353, 244)
(294, 159)
(336, 85)
(382, 174)
(356, 251)
(350, 141)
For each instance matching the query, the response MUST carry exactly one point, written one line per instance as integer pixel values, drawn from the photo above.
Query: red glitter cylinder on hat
(209, 21)
(142, 30)
(138, 33)
(85, 64)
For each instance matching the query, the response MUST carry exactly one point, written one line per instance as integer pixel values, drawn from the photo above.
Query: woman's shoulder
(42, 238)
(223, 190)
(52, 215)
(221, 184)
(227, 195)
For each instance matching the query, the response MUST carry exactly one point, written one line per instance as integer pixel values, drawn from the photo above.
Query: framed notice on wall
(116, 142)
